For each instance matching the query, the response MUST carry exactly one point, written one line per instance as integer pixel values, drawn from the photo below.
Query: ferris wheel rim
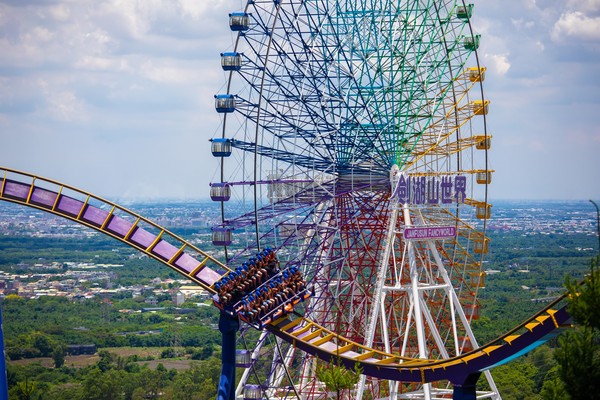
(337, 176)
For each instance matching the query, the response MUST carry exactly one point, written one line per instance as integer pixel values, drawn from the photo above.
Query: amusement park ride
(353, 184)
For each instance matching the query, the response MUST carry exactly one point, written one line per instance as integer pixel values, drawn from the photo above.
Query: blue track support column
(468, 389)
(3, 380)
(228, 326)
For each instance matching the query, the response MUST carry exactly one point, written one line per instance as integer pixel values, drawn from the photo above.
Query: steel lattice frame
(330, 96)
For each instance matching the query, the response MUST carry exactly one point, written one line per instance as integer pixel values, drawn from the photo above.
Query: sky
(116, 96)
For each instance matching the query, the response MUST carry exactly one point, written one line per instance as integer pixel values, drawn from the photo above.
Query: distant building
(190, 291)
(153, 309)
(79, 349)
(156, 281)
(153, 301)
(178, 298)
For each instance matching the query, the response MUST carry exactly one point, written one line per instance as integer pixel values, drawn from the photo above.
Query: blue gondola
(224, 103)
(239, 21)
(231, 61)
(221, 147)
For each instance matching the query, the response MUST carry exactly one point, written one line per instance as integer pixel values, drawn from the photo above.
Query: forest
(137, 350)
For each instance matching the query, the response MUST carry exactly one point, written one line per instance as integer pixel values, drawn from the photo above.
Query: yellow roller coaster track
(198, 266)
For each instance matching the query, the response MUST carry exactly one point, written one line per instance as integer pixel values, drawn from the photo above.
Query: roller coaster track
(112, 220)
(196, 265)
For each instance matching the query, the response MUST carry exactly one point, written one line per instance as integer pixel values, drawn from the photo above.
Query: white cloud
(60, 12)
(498, 63)
(61, 104)
(103, 64)
(168, 71)
(521, 23)
(584, 5)
(577, 25)
(540, 45)
(38, 36)
(130, 15)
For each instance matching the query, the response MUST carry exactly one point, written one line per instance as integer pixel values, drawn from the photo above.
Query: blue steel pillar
(228, 326)
(467, 390)
(598, 223)
(3, 381)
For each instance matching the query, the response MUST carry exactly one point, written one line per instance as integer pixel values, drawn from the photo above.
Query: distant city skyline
(117, 97)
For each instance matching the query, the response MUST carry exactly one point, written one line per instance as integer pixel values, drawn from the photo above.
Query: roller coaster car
(285, 307)
(239, 284)
(282, 309)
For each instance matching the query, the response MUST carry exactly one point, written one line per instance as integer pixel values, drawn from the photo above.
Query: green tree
(106, 361)
(183, 388)
(579, 358)
(197, 383)
(43, 343)
(151, 384)
(204, 353)
(108, 385)
(58, 355)
(516, 380)
(553, 387)
(578, 355)
(337, 378)
(25, 390)
(543, 359)
(584, 299)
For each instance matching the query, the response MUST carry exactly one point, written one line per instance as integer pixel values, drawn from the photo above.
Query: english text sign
(430, 232)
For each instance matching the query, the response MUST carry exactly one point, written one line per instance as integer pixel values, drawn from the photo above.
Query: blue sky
(116, 96)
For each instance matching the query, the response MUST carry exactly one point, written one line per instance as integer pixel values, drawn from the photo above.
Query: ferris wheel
(354, 144)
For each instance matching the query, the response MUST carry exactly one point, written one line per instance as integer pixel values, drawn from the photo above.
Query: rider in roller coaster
(258, 287)
(247, 277)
